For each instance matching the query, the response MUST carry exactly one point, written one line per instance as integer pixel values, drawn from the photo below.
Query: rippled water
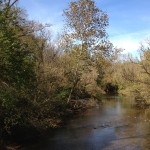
(114, 126)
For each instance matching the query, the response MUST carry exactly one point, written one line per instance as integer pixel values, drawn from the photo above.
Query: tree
(26, 99)
(86, 37)
(133, 75)
(86, 25)
(18, 77)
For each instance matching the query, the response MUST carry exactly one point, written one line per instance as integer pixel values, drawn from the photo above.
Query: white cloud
(128, 45)
(130, 42)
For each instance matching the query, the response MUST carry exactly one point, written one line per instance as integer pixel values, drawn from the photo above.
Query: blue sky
(129, 20)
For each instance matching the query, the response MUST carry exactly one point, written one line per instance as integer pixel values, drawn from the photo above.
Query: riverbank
(22, 136)
(83, 104)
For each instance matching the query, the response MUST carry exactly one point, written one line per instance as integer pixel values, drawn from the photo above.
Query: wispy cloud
(130, 42)
(128, 45)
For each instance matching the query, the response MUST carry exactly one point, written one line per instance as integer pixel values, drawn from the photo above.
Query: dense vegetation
(39, 78)
(132, 75)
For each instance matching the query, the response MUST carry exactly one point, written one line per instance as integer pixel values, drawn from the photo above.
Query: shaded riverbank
(29, 136)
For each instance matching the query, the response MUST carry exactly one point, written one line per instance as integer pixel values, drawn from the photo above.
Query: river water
(116, 125)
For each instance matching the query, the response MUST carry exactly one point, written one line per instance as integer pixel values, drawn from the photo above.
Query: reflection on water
(113, 126)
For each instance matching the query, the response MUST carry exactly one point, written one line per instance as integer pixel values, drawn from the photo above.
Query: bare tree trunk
(70, 95)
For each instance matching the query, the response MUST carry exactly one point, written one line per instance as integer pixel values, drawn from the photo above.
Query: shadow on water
(113, 126)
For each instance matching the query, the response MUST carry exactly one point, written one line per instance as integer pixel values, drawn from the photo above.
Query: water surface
(114, 126)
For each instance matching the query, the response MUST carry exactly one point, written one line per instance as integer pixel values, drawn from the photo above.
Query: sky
(129, 20)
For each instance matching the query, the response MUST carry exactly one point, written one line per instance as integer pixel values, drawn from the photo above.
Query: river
(116, 125)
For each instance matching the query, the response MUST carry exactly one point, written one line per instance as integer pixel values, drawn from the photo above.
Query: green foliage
(18, 77)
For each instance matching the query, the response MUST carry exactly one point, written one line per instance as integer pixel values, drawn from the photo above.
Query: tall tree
(86, 37)
(86, 27)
